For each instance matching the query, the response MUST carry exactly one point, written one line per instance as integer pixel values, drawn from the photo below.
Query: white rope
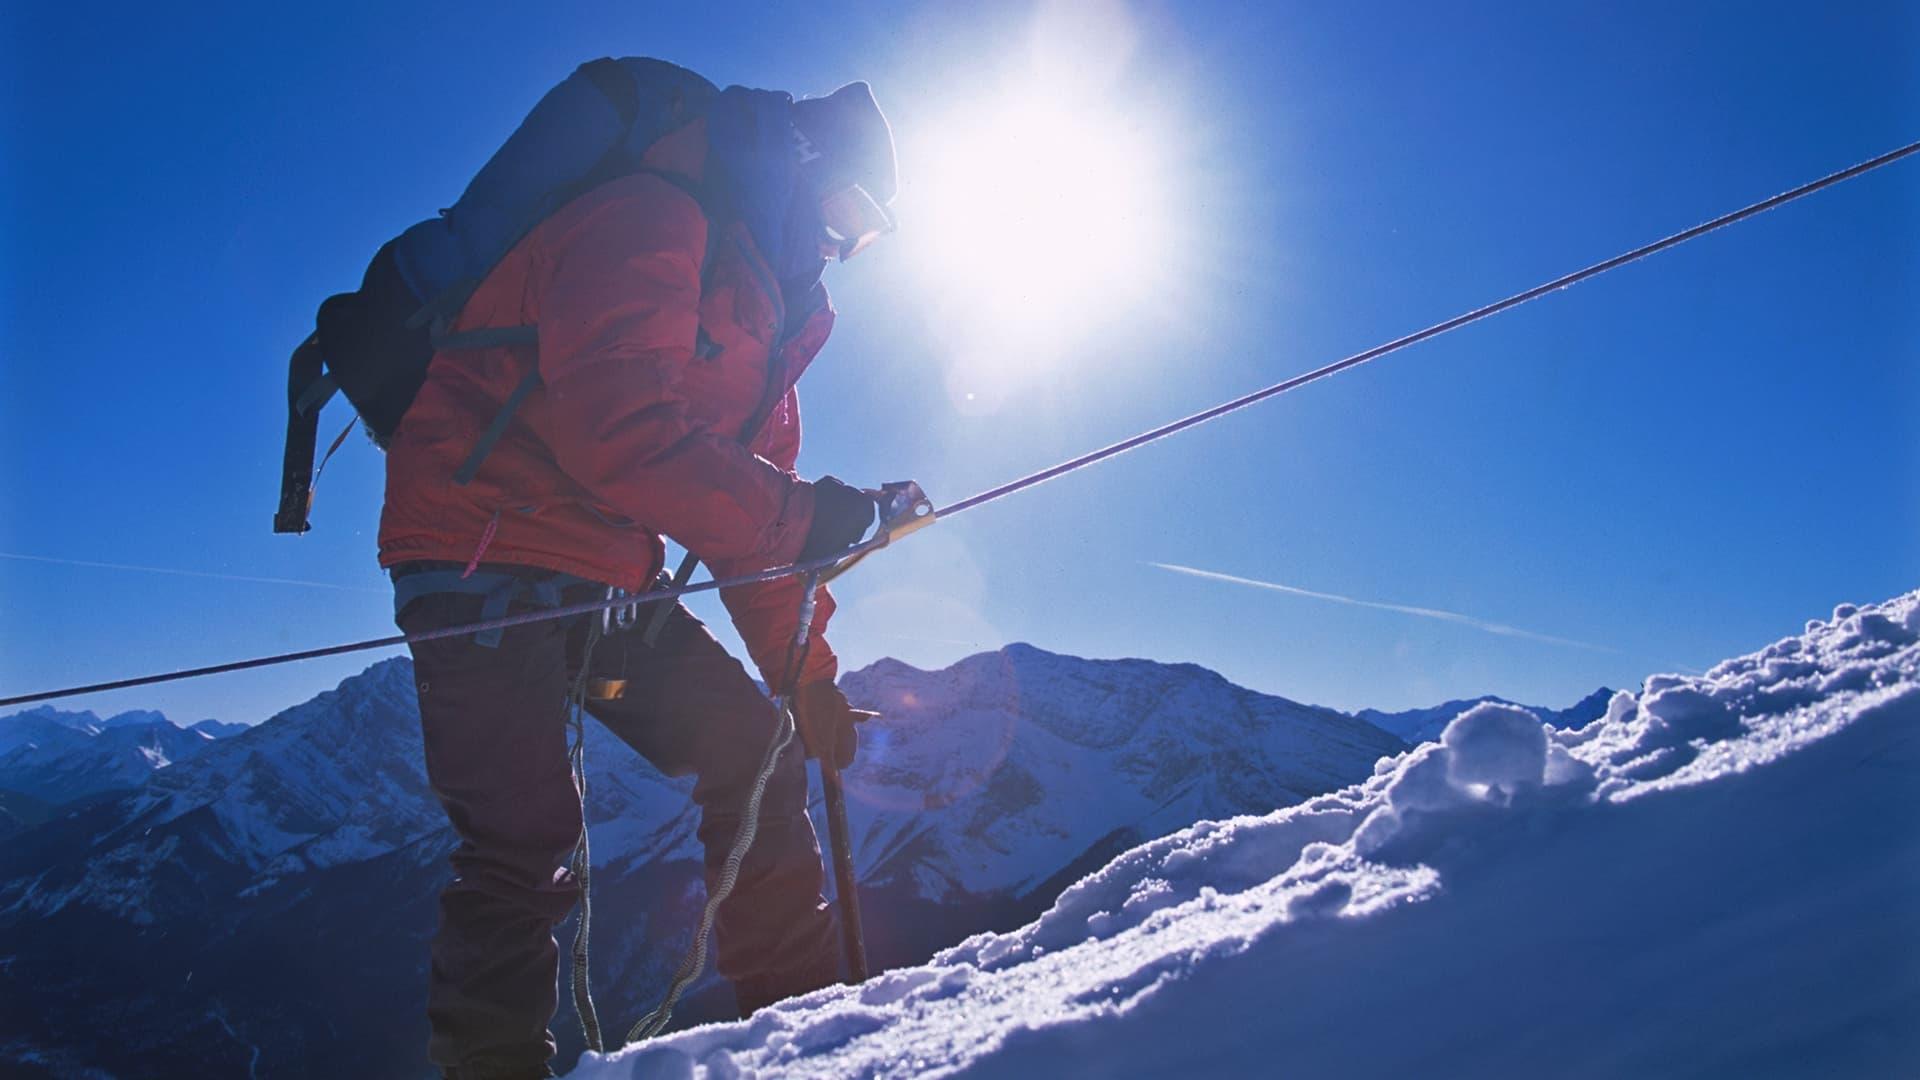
(695, 961)
(582, 863)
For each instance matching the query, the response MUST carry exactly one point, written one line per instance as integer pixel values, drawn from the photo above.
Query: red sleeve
(765, 613)
(618, 318)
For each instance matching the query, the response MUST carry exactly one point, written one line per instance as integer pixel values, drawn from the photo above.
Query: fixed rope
(1031, 479)
(1433, 331)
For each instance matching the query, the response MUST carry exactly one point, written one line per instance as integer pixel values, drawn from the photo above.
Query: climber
(674, 308)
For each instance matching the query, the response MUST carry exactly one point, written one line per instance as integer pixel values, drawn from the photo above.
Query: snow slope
(1720, 877)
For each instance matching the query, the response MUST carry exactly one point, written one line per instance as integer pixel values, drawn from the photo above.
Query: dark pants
(494, 721)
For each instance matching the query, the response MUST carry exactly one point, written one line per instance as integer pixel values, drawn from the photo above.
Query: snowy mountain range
(262, 903)
(49, 757)
(1716, 877)
(1416, 726)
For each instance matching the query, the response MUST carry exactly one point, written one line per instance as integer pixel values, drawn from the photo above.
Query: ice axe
(853, 939)
(904, 508)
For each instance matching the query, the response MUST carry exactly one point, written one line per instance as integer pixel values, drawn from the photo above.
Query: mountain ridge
(1425, 724)
(988, 786)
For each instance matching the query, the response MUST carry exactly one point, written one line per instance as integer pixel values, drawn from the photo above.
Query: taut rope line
(1024, 482)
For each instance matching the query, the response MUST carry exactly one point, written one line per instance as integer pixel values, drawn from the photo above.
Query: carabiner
(618, 618)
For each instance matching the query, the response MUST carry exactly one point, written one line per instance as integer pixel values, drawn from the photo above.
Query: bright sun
(1037, 217)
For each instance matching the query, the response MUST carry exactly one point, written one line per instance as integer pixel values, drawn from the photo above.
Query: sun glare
(1043, 209)
(1039, 215)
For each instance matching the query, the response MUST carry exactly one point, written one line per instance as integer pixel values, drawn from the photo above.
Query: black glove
(825, 721)
(841, 516)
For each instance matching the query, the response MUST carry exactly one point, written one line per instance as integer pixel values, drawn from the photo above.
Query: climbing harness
(860, 550)
(499, 590)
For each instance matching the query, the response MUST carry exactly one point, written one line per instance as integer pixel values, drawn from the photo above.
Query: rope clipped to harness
(695, 961)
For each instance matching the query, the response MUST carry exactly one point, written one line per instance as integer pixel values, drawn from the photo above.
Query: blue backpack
(373, 345)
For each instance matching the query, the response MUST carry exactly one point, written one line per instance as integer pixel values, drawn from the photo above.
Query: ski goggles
(853, 220)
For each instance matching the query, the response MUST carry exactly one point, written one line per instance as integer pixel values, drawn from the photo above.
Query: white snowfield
(1721, 877)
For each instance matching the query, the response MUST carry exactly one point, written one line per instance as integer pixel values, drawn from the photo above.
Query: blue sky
(1672, 464)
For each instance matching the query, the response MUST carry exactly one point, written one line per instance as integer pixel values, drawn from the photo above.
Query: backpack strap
(490, 337)
(491, 437)
(496, 336)
(611, 78)
(704, 347)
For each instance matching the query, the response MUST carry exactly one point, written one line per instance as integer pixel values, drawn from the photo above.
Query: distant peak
(136, 718)
(393, 673)
(78, 721)
(886, 665)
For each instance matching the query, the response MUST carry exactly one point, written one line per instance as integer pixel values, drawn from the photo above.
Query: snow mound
(1714, 878)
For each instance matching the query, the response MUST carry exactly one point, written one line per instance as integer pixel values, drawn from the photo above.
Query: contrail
(188, 573)
(1430, 613)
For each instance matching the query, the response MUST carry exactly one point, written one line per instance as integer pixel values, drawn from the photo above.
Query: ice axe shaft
(852, 937)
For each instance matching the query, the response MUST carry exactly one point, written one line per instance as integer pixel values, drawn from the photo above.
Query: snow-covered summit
(1714, 878)
(45, 722)
(55, 757)
(990, 776)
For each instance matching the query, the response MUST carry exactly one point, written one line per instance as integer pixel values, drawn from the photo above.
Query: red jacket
(629, 435)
